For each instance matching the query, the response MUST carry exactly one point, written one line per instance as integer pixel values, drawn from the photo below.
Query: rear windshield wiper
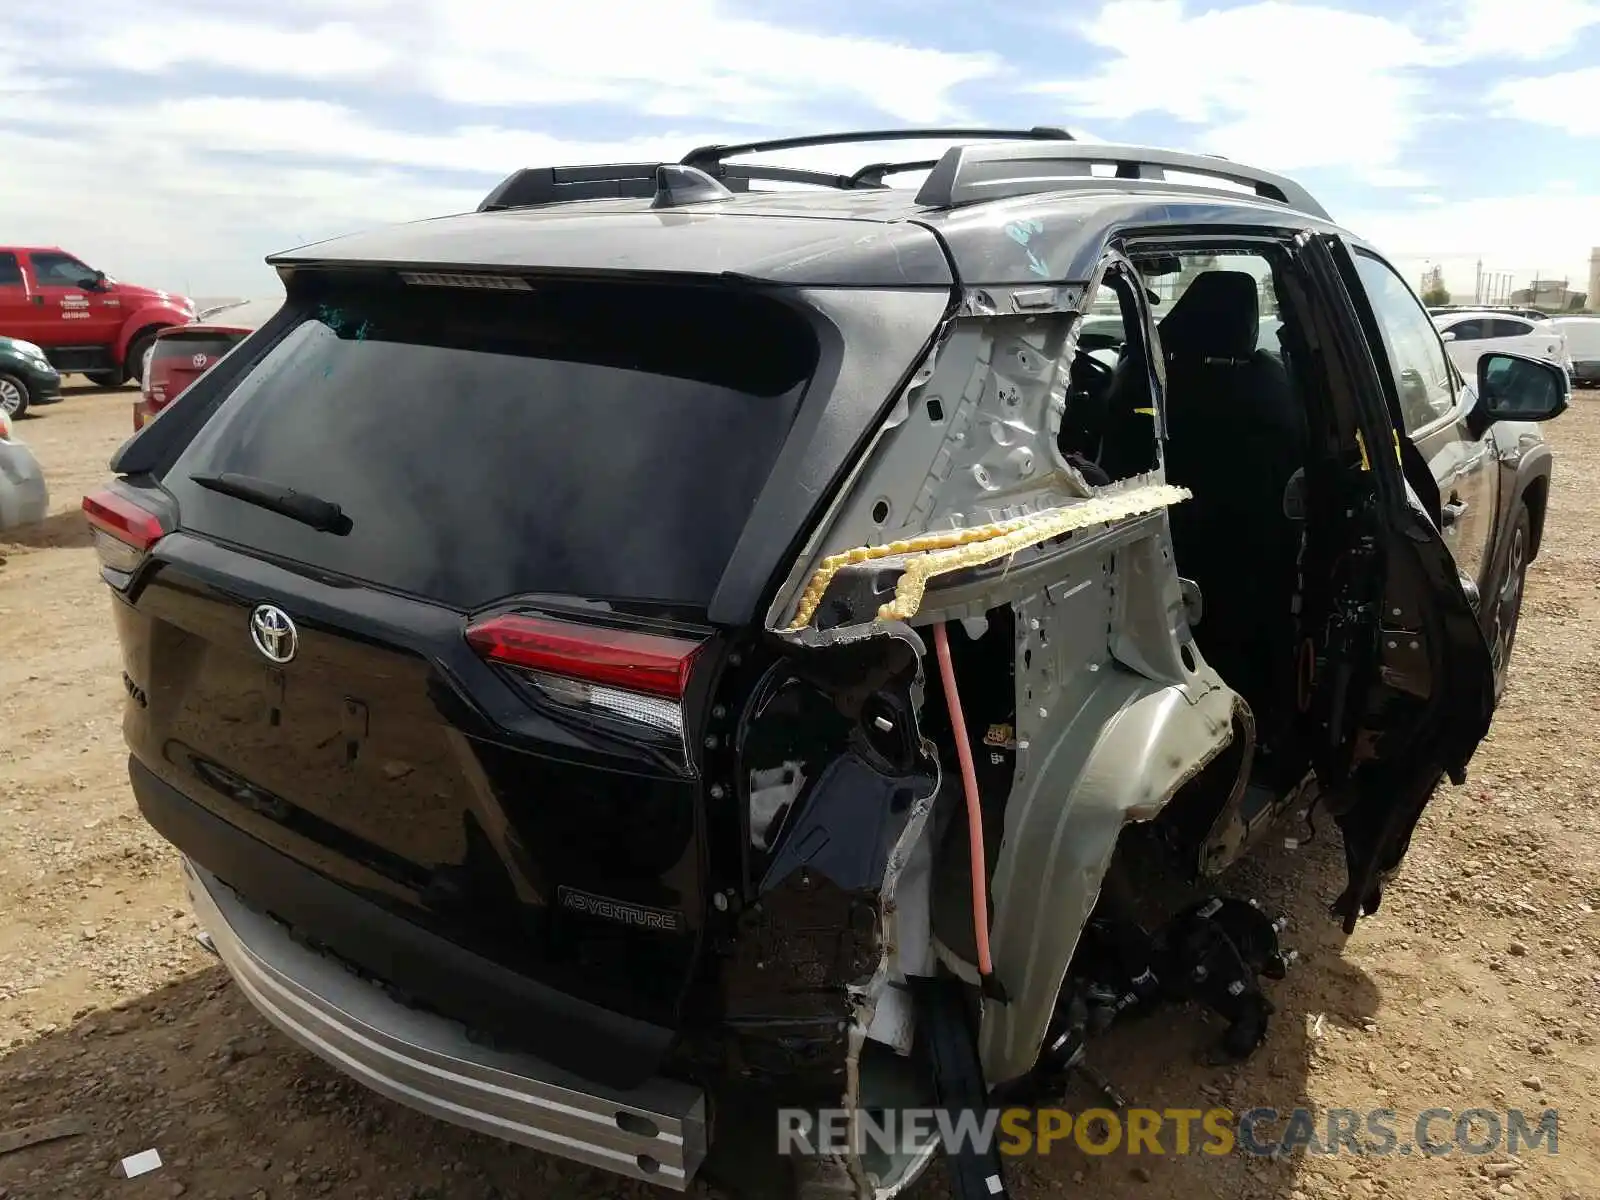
(320, 514)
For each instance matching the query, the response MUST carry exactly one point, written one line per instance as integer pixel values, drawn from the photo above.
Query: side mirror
(94, 283)
(1514, 387)
(1447, 336)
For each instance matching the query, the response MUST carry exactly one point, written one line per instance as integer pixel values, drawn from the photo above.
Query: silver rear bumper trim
(656, 1132)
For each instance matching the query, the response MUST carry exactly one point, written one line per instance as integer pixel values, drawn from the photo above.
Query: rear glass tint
(587, 440)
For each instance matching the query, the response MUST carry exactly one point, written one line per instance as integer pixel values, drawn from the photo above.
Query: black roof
(1049, 222)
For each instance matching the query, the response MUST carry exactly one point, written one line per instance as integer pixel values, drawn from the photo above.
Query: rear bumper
(656, 1132)
(584, 1039)
(44, 388)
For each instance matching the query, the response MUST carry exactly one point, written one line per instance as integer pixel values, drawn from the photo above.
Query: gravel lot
(1477, 986)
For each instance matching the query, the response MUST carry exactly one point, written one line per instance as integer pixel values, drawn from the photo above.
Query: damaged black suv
(654, 649)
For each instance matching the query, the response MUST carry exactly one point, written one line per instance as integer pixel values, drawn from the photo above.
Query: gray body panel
(24, 495)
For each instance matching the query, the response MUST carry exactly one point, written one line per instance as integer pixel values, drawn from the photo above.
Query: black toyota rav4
(655, 650)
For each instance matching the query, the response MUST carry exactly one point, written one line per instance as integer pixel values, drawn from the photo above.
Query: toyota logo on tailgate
(274, 633)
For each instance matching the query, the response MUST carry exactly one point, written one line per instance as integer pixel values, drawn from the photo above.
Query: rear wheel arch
(1133, 747)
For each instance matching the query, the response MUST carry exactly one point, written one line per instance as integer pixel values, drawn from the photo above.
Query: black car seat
(1237, 433)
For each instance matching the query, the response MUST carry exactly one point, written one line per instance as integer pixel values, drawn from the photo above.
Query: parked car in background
(183, 353)
(26, 377)
(1582, 335)
(87, 322)
(1532, 314)
(1469, 335)
(24, 497)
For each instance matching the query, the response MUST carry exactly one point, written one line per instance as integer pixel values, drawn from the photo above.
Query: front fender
(153, 314)
(1130, 743)
(1526, 464)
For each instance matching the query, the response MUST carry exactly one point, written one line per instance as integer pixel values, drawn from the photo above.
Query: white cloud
(682, 59)
(1569, 101)
(1293, 85)
(1494, 29)
(1288, 86)
(332, 51)
(184, 221)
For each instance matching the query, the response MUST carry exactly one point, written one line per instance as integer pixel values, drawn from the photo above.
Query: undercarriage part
(948, 1051)
(978, 867)
(922, 558)
(1213, 951)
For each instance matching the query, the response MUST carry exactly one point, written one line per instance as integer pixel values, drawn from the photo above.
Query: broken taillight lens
(123, 529)
(636, 676)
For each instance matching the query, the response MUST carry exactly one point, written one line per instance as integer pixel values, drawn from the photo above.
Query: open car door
(1395, 682)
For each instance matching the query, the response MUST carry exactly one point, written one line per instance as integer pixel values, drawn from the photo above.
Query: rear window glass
(182, 349)
(587, 440)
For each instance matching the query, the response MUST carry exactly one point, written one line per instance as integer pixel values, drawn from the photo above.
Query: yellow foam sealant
(934, 554)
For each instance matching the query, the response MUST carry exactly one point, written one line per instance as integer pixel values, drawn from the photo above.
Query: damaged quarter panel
(1116, 708)
(1098, 745)
(969, 443)
(837, 783)
(1030, 240)
(870, 342)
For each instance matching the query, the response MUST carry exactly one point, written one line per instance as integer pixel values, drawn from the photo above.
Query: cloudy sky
(177, 142)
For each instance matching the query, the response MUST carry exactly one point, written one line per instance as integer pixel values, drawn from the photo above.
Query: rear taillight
(640, 677)
(5, 427)
(123, 529)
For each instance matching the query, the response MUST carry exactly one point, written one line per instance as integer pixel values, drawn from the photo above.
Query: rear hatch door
(472, 695)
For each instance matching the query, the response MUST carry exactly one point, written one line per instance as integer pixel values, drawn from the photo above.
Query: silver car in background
(24, 498)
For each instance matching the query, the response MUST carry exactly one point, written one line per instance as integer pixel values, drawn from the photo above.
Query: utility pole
(1477, 287)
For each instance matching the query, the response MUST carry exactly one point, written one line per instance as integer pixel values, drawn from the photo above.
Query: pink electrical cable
(969, 784)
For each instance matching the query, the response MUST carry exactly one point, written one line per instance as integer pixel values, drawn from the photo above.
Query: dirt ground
(1477, 986)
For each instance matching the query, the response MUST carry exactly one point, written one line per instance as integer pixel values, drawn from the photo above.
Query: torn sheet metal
(936, 554)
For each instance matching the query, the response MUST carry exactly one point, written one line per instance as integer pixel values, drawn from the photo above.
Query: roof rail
(708, 157)
(967, 174)
(534, 186)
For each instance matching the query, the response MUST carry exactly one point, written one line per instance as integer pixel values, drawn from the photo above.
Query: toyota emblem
(199, 361)
(274, 633)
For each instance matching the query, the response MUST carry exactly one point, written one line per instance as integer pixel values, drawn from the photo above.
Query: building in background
(1553, 295)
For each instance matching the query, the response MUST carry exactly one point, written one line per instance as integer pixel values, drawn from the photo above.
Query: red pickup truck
(84, 320)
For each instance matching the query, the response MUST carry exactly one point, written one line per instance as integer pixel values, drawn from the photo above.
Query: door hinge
(1403, 662)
